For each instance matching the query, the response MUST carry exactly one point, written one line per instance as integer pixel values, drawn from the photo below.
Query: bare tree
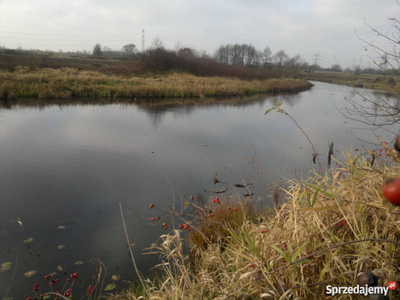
(97, 50)
(157, 43)
(129, 50)
(266, 57)
(280, 58)
(377, 109)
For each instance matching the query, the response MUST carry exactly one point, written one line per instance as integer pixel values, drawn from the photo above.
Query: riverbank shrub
(328, 230)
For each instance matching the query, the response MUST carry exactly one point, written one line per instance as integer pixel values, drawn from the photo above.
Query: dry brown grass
(328, 230)
(69, 83)
(369, 81)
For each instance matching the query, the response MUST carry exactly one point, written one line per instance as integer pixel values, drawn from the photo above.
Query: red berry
(216, 199)
(235, 209)
(151, 205)
(191, 198)
(356, 149)
(251, 265)
(380, 154)
(52, 283)
(56, 280)
(165, 227)
(68, 279)
(153, 219)
(229, 208)
(197, 212)
(341, 223)
(391, 191)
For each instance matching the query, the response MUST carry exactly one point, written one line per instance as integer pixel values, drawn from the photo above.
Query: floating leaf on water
(60, 268)
(79, 262)
(30, 273)
(5, 266)
(30, 240)
(116, 277)
(61, 227)
(110, 287)
(20, 224)
(61, 247)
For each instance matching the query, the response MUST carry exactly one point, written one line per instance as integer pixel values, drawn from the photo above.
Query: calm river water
(64, 169)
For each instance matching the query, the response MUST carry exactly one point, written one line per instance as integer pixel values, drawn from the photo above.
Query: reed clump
(327, 231)
(67, 83)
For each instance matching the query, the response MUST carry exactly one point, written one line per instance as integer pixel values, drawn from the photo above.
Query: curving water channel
(64, 169)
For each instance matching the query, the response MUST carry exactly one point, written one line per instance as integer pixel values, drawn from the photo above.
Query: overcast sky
(299, 27)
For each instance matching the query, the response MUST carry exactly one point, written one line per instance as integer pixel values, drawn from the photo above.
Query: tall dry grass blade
(131, 252)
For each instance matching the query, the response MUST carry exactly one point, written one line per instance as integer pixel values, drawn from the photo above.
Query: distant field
(106, 65)
(370, 81)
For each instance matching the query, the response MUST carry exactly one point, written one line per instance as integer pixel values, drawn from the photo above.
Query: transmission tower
(143, 41)
(316, 58)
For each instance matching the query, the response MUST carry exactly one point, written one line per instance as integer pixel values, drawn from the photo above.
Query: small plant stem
(312, 145)
(13, 275)
(130, 249)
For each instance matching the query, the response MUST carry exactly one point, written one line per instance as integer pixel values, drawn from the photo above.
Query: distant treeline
(231, 60)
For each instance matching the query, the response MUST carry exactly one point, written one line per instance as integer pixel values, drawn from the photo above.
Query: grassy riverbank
(369, 81)
(69, 83)
(327, 231)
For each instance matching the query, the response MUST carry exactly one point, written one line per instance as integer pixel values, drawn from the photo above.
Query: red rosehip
(397, 144)
(197, 212)
(356, 149)
(153, 219)
(341, 223)
(391, 191)
(151, 206)
(229, 208)
(191, 198)
(251, 265)
(235, 209)
(68, 279)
